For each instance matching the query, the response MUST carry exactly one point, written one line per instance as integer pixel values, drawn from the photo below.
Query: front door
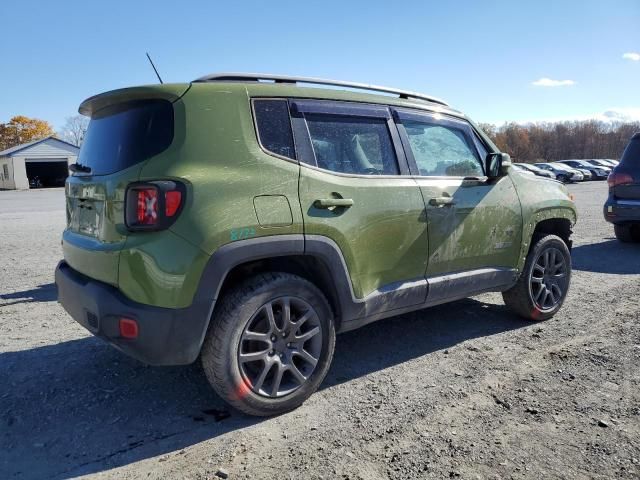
(355, 189)
(473, 222)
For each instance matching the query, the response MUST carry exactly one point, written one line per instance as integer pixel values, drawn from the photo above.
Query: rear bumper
(621, 211)
(165, 336)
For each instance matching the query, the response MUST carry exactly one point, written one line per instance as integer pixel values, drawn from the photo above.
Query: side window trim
(302, 136)
(257, 132)
(428, 117)
(479, 143)
(336, 107)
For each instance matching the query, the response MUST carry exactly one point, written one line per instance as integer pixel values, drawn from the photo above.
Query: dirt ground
(464, 390)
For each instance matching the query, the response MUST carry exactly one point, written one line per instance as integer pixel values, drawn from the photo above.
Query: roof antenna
(154, 68)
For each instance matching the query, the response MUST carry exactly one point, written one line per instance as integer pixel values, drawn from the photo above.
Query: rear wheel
(544, 282)
(628, 232)
(270, 344)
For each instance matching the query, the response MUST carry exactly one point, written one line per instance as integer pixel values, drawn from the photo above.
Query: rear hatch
(627, 173)
(127, 128)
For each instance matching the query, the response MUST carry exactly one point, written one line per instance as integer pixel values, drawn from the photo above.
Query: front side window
(441, 150)
(356, 145)
(274, 127)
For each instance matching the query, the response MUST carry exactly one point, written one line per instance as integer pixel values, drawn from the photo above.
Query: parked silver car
(563, 173)
(603, 162)
(522, 170)
(535, 170)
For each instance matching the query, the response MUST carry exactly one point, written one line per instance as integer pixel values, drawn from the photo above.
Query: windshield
(122, 135)
(560, 166)
(583, 163)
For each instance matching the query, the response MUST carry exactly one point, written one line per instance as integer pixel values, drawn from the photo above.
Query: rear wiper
(76, 167)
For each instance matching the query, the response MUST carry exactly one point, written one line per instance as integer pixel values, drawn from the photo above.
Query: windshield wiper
(76, 167)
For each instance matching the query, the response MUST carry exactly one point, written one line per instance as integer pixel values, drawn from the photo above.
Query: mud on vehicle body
(248, 222)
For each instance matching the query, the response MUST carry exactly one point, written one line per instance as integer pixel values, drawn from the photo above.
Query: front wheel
(270, 344)
(544, 282)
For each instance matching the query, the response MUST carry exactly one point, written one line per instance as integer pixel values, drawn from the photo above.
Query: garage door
(46, 172)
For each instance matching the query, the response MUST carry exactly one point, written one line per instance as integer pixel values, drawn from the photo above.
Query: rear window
(122, 135)
(631, 155)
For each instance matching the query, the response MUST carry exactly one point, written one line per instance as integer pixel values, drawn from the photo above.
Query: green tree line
(548, 142)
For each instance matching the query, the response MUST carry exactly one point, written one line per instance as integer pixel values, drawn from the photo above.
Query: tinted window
(122, 135)
(354, 145)
(631, 155)
(274, 127)
(441, 150)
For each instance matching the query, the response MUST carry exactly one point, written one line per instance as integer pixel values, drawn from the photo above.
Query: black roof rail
(257, 77)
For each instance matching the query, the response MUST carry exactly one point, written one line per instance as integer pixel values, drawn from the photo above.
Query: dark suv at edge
(622, 208)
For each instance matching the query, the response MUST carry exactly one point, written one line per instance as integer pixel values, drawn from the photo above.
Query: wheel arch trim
(534, 220)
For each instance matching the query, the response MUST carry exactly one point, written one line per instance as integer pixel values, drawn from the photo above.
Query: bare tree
(74, 129)
(562, 140)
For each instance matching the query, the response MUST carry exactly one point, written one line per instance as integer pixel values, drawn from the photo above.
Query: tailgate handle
(441, 201)
(333, 203)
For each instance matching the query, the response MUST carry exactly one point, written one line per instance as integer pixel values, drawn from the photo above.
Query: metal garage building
(47, 159)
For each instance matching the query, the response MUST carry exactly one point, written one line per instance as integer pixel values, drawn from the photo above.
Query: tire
(527, 297)
(250, 344)
(562, 178)
(628, 232)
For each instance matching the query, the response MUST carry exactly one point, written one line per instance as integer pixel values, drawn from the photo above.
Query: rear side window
(356, 145)
(122, 135)
(440, 150)
(274, 127)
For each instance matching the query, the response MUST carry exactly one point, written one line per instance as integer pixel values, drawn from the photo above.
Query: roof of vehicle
(12, 150)
(320, 88)
(529, 165)
(550, 165)
(291, 80)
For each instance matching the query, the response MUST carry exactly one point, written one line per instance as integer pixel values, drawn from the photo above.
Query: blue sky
(482, 59)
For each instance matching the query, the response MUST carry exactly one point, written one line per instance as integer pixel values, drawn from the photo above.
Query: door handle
(333, 202)
(441, 201)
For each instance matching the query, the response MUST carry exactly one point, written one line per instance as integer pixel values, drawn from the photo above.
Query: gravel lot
(464, 390)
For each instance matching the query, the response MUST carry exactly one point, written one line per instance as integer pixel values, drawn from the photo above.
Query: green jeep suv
(247, 219)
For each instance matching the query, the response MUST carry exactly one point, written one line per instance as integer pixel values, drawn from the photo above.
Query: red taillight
(153, 205)
(147, 212)
(172, 202)
(128, 328)
(616, 178)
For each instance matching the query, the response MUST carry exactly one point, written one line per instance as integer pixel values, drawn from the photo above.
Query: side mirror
(497, 165)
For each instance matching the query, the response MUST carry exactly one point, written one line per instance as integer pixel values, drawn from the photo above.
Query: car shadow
(610, 256)
(42, 293)
(81, 407)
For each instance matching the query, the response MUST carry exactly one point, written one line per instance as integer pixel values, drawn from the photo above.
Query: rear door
(473, 222)
(355, 189)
